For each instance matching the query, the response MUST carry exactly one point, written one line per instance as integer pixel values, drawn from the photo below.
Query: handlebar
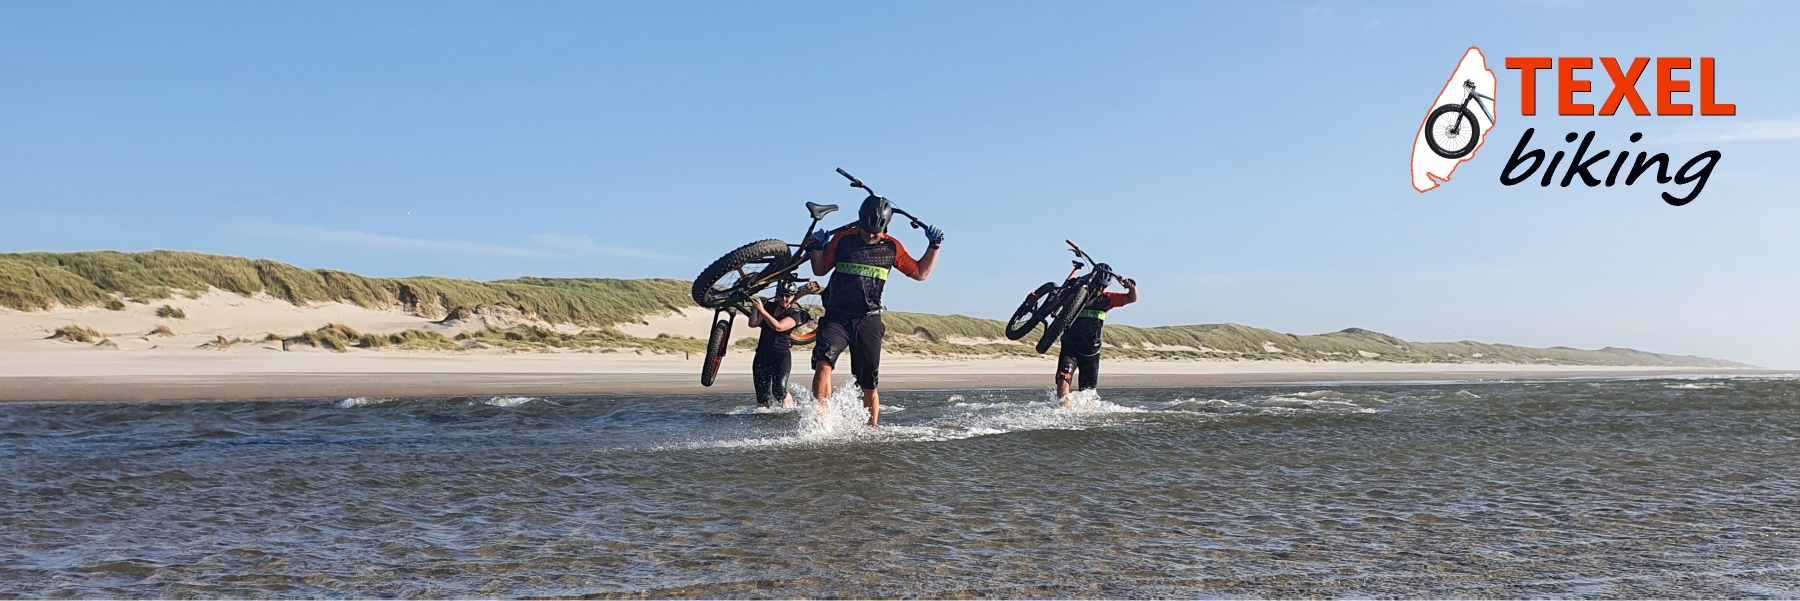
(1091, 262)
(854, 183)
(857, 183)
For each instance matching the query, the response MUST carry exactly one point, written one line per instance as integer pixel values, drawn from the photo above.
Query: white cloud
(586, 246)
(360, 239)
(542, 246)
(1738, 131)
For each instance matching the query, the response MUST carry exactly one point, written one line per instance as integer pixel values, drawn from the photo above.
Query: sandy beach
(135, 364)
(265, 371)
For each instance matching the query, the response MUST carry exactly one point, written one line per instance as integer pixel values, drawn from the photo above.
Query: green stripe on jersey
(867, 271)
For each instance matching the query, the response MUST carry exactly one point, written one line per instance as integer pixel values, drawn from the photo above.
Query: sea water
(1618, 488)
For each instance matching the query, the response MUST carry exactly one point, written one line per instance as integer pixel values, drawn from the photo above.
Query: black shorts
(862, 335)
(1067, 363)
(770, 375)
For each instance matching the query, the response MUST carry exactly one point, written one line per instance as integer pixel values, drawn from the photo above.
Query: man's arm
(825, 259)
(925, 263)
(915, 269)
(1131, 293)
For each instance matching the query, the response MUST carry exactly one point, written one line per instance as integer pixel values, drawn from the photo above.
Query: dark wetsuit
(1081, 342)
(774, 356)
(853, 302)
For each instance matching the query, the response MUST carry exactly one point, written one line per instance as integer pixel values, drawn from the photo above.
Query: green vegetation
(342, 338)
(169, 312)
(74, 333)
(926, 334)
(220, 343)
(331, 336)
(33, 287)
(410, 340)
(113, 304)
(533, 338)
(37, 281)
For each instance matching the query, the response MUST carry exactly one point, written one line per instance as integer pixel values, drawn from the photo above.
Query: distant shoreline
(277, 375)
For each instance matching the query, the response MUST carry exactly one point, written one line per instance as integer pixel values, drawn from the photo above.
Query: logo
(1460, 119)
(1452, 131)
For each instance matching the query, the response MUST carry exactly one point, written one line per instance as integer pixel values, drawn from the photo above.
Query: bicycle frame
(1469, 85)
(803, 255)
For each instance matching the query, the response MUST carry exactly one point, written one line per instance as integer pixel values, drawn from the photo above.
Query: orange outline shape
(1418, 135)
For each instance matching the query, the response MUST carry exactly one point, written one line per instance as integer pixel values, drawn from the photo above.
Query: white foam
(755, 410)
(511, 401)
(362, 401)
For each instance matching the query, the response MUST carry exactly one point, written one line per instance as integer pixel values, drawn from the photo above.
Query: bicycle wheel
(807, 331)
(1030, 313)
(715, 350)
(1062, 316)
(722, 283)
(1452, 131)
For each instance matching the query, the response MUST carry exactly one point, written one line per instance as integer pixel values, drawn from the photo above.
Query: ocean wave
(513, 401)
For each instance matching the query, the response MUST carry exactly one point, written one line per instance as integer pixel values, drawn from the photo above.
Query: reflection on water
(1655, 487)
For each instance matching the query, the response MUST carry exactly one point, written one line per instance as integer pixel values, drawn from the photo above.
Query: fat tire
(799, 338)
(704, 294)
(1474, 131)
(1070, 310)
(1016, 329)
(715, 350)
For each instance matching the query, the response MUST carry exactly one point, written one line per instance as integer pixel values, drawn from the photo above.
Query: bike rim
(1450, 135)
(730, 285)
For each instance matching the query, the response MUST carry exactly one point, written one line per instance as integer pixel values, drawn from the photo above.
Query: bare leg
(1062, 390)
(787, 402)
(822, 383)
(872, 402)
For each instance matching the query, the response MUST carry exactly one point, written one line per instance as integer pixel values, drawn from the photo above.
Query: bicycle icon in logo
(1451, 130)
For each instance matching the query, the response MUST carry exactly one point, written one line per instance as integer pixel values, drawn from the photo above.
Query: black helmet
(874, 215)
(1102, 267)
(784, 288)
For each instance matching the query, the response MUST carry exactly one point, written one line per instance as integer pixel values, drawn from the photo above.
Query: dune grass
(168, 312)
(74, 333)
(533, 338)
(931, 335)
(38, 281)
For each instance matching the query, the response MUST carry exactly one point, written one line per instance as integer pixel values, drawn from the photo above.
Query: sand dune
(139, 365)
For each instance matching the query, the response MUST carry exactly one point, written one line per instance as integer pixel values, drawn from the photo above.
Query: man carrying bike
(774, 355)
(859, 261)
(1081, 342)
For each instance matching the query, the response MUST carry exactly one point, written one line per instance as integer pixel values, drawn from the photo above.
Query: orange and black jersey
(860, 271)
(1083, 336)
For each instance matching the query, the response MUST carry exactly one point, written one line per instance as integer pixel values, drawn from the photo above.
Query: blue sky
(1246, 162)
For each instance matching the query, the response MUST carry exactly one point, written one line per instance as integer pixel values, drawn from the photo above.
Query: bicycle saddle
(819, 211)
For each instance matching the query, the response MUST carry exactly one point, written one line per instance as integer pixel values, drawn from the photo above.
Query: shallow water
(1626, 488)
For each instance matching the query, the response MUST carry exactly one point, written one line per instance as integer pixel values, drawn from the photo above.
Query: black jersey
(1083, 336)
(861, 271)
(773, 342)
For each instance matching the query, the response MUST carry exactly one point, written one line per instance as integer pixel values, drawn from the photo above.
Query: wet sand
(248, 374)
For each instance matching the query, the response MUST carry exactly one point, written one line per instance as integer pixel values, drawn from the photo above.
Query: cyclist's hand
(935, 235)
(1128, 282)
(818, 239)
